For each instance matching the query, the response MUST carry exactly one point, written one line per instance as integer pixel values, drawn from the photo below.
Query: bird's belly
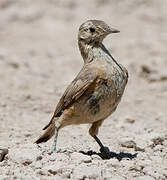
(96, 105)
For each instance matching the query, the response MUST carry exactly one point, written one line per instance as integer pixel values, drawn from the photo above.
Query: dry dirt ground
(39, 57)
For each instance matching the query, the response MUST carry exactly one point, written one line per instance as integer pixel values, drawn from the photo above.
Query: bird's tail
(48, 133)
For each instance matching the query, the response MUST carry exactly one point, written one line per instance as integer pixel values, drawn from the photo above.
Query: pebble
(150, 171)
(83, 171)
(53, 169)
(36, 164)
(24, 155)
(107, 174)
(129, 120)
(128, 142)
(3, 152)
(96, 157)
(80, 158)
(116, 178)
(113, 163)
(58, 157)
(59, 169)
(2, 177)
(140, 145)
(151, 140)
(144, 178)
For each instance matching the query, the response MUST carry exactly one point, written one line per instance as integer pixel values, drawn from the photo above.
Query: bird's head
(94, 31)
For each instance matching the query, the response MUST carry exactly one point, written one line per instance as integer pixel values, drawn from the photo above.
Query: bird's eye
(92, 29)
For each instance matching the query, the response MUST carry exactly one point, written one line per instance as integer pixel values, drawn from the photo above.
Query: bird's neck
(85, 50)
(96, 51)
(93, 51)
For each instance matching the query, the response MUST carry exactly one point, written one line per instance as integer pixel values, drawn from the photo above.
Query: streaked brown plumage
(96, 91)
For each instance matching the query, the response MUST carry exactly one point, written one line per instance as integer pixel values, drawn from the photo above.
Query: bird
(97, 89)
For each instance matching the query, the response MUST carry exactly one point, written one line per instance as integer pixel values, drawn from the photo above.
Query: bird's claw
(105, 152)
(53, 149)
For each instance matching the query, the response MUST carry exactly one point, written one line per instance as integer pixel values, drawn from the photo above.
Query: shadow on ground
(118, 156)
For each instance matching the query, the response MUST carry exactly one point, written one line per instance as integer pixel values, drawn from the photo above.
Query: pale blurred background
(39, 57)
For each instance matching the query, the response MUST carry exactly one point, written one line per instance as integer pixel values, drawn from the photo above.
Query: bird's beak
(112, 30)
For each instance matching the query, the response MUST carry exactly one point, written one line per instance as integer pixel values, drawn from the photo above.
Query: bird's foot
(105, 152)
(53, 148)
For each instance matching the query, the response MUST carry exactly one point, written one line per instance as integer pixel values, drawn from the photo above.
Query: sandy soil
(38, 59)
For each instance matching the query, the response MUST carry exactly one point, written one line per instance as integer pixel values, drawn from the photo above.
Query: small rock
(2, 177)
(107, 174)
(136, 168)
(3, 152)
(145, 162)
(128, 164)
(3, 52)
(145, 69)
(144, 178)
(27, 134)
(59, 169)
(79, 157)
(129, 120)
(36, 164)
(116, 178)
(96, 157)
(153, 78)
(113, 163)
(157, 141)
(52, 157)
(82, 171)
(128, 142)
(53, 169)
(156, 159)
(24, 155)
(61, 157)
(158, 148)
(41, 172)
(141, 145)
(14, 65)
(149, 170)
(163, 78)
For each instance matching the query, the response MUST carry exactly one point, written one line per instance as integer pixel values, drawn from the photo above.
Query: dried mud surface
(39, 57)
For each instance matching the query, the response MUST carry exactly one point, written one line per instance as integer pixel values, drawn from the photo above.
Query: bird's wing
(78, 86)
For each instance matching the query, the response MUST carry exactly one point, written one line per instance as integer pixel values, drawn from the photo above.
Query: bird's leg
(103, 149)
(93, 131)
(59, 123)
(98, 141)
(55, 140)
